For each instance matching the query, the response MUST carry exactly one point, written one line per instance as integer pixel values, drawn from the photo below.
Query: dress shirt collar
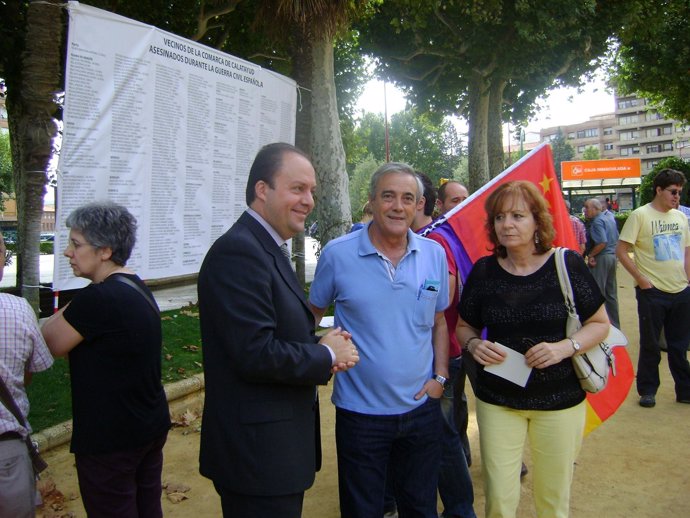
(279, 240)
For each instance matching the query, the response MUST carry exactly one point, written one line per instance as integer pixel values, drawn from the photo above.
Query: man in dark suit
(262, 361)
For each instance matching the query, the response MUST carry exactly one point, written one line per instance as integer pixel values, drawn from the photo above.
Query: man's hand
(644, 283)
(431, 388)
(340, 342)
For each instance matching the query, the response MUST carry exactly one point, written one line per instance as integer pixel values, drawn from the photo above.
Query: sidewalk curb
(181, 395)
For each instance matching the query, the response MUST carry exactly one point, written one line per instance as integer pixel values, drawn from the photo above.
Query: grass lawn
(49, 393)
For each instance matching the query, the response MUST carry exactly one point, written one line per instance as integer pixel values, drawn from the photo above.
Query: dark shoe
(647, 401)
(683, 400)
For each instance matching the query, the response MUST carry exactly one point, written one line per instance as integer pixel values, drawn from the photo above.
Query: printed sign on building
(600, 169)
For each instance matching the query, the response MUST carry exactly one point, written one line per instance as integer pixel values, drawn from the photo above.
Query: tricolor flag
(463, 229)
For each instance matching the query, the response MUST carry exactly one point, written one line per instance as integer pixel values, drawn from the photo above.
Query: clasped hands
(340, 342)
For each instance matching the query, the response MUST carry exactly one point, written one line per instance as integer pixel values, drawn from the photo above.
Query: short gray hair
(394, 167)
(106, 224)
(596, 203)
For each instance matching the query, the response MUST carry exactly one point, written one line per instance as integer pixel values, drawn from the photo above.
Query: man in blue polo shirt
(390, 288)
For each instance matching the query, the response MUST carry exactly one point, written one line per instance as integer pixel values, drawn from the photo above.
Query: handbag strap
(129, 282)
(564, 280)
(11, 404)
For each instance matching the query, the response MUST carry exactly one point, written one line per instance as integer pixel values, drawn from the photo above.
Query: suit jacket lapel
(282, 264)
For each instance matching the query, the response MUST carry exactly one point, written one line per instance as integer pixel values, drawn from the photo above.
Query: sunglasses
(674, 192)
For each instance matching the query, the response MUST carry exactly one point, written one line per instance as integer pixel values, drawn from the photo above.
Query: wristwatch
(440, 379)
(576, 345)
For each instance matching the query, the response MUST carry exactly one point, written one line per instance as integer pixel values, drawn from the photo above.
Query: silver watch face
(440, 379)
(576, 345)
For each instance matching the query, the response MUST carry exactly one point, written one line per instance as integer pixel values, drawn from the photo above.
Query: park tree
(316, 24)
(591, 153)
(31, 38)
(483, 60)
(359, 184)
(227, 25)
(427, 141)
(6, 184)
(647, 186)
(561, 151)
(652, 57)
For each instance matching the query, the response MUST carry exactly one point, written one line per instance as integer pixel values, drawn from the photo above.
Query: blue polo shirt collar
(367, 248)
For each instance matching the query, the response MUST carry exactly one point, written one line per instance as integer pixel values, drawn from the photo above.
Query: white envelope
(514, 368)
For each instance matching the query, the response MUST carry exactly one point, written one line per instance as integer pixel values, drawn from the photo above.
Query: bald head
(593, 208)
(451, 194)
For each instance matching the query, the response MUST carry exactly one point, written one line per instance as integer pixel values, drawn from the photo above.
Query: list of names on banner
(167, 128)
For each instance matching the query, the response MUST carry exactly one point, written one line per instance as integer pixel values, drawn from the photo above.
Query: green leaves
(653, 58)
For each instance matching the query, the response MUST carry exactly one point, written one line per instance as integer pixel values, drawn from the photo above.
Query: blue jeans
(367, 443)
(454, 481)
(656, 310)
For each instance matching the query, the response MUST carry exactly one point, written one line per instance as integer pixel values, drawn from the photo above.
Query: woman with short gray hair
(111, 331)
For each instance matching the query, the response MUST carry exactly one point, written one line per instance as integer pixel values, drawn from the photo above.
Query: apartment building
(635, 129)
(644, 132)
(598, 132)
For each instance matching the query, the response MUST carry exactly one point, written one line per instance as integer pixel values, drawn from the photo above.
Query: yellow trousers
(555, 437)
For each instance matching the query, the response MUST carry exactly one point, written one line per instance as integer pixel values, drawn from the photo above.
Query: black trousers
(236, 505)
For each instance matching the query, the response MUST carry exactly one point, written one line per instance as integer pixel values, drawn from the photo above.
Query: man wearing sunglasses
(658, 235)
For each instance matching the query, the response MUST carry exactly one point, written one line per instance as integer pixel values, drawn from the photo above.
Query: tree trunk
(301, 72)
(478, 127)
(495, 128)
(36, 128)
(333, 206)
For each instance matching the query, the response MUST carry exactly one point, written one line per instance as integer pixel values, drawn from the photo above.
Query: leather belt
(9, 436)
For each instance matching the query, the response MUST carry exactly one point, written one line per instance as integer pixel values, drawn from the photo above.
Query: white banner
(166, 127)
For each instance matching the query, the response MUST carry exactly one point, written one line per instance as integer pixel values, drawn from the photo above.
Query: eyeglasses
(674, 192)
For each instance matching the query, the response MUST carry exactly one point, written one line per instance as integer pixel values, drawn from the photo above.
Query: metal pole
(385, 116)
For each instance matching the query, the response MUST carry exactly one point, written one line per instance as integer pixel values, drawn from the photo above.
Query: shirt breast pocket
(425, 308)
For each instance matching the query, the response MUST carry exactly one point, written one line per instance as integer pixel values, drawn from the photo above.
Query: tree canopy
(427, 141)
(490, 60)
(647, 189)
(653, 58)
(562, 151)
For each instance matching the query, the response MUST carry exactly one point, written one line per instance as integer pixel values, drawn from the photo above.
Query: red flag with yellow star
(464, 232)
(536, 167)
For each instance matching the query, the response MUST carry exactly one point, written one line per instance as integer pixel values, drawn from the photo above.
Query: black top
(118, 400)
(520, 311)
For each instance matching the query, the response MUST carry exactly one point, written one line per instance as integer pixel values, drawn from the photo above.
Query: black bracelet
(468, 341)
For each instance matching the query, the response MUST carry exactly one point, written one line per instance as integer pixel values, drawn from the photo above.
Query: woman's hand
(485, 352)
(545, 354)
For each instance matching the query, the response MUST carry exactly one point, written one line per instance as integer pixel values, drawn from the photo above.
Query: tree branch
(454, 30)
(268, 56)
(205, 16)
